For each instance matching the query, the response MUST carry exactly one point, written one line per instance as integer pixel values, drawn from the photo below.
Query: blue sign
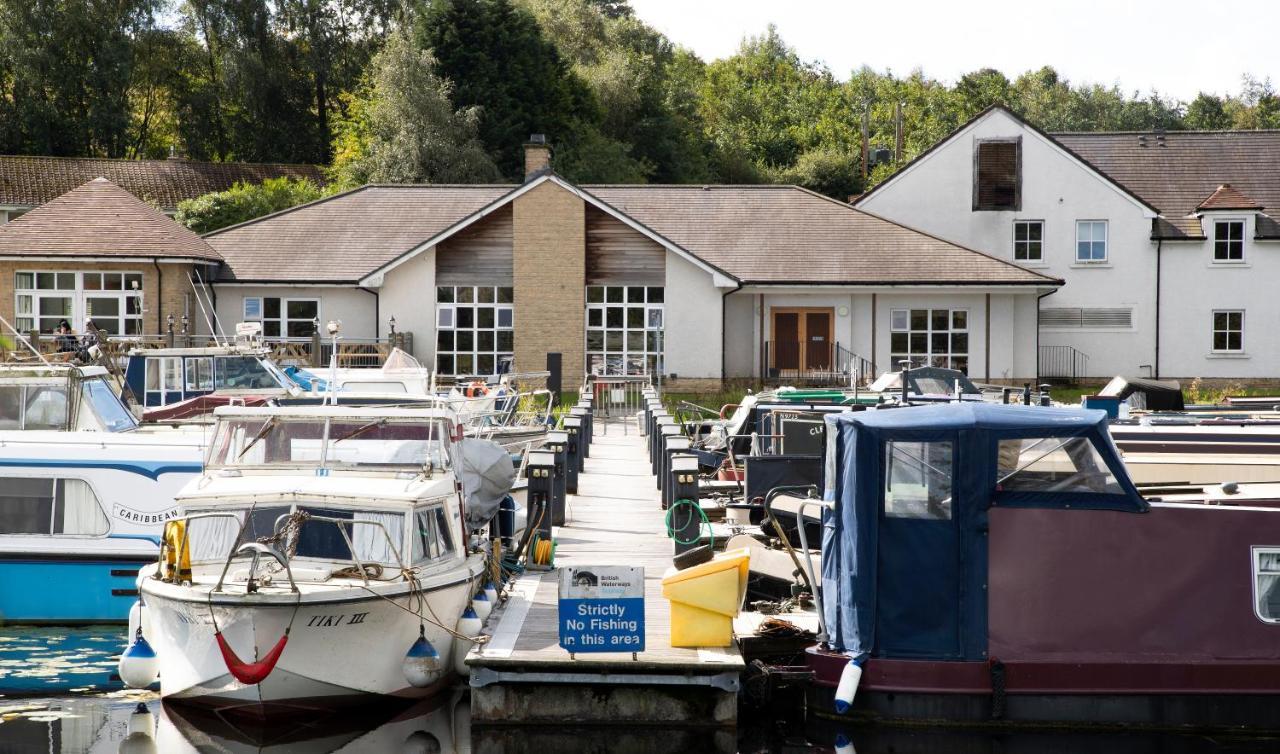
(602, 609)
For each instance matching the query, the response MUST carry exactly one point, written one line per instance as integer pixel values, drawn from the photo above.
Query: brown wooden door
(817, 342)
(786, 340)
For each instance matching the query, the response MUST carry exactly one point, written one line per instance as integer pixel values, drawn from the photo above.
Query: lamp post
(169, 321)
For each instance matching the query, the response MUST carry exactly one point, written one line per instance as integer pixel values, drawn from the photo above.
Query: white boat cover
(487, 475)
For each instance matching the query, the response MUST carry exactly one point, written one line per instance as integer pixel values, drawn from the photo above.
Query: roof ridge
(149, 160)
(1168, 133)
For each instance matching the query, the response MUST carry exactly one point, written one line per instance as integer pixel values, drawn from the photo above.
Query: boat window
(917, 481)
(11, 407)
(1266, 583)
(1053, 464)
(46, 408)
(107, 406)
(50, 506)
(381, 442)
(323, 540)
(164, 374)
(432, 538)
(243, 373)
(200, 373)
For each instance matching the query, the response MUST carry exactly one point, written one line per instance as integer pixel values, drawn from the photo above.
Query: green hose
(701, 514)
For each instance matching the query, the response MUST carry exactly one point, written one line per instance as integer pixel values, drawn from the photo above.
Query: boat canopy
(910, 490)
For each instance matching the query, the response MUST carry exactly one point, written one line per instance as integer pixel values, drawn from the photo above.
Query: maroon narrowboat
(996, 563)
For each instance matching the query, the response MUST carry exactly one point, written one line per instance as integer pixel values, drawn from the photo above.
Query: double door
(802, 339)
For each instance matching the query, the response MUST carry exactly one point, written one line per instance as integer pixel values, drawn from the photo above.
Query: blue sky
(1175, 46)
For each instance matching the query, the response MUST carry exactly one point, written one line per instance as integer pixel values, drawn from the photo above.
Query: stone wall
(550, 275)
(162, 294)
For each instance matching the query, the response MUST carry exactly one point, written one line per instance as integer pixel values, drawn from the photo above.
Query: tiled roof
(29, 181)
(347, 236)
(779, 234)
(1228, 197)
(100, 219)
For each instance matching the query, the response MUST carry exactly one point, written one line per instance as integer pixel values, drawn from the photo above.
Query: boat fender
(848, 686)
(468, 625)
(421, 742)
(139, 666)
(138, 619)
(481, 604)
(422, 664)
(491, 592)
(844, 745)
(139, 732)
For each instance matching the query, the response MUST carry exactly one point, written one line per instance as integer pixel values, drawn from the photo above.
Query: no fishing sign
(602, 609)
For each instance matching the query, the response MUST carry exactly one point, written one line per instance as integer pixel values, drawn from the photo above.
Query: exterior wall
(741, 333)
(550, 278)
(480, 254)
(350, 305)
(935, 195)
(618, 254)
(692, 321)
(408, 294)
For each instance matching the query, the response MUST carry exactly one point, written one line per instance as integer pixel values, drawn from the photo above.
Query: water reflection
(59, 660)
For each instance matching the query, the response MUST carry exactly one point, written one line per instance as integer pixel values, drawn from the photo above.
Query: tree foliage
(245, 201)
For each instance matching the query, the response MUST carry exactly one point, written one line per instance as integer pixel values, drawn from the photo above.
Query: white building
(1164, 240)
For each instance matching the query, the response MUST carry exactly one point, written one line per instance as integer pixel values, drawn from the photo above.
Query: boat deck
(615, 519)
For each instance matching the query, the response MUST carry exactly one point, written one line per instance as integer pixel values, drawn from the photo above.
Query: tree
(980, 89)
(402, 128)
(1207, 112)
(243, 202)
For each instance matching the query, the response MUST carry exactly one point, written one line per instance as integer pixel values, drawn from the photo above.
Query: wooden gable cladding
(620, 255)
(480, 254)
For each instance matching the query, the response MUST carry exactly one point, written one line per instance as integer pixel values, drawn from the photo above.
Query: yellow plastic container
(705, 598)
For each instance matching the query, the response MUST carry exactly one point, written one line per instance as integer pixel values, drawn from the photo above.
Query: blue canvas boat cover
(854, 471)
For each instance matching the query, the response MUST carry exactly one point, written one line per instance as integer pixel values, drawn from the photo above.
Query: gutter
(159, 298)
(724, 330)
(1038, 300)
(1155, 369)
(377, 317)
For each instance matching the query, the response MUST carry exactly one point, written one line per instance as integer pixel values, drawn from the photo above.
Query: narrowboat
(996, 563)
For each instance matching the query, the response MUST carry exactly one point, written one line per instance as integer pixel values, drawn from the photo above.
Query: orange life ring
(476, 389)
(727, 408)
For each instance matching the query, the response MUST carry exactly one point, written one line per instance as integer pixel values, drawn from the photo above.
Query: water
(57, 696)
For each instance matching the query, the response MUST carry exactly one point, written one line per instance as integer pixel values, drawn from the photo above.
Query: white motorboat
(320, 545)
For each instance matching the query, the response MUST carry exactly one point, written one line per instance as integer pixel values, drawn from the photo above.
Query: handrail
(186, 530)
(808, 556)
(346, 538)
(257, 550)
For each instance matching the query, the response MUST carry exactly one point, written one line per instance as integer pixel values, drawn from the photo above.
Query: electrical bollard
(655, 439)
(660, 448)
(585, 434)
(558, 443)
(671, 444)
(684, 515)
(572, 453)
(540, 471)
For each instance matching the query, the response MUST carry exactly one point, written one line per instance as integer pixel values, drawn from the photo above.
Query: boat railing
(808, 560)
(255, 551)
(338, 522)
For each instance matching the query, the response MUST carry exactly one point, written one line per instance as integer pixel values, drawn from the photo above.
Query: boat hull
(345, 647)
(91, 587)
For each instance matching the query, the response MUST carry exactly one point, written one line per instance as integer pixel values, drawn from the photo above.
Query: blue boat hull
(68, 590)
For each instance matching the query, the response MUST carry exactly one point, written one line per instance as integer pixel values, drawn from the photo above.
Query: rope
(671, 531)
(416, 593)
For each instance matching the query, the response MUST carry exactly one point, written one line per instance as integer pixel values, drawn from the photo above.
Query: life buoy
(727, 409)
(177, 565)
(476, 389)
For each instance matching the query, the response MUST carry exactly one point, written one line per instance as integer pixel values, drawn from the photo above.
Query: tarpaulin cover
(487, 474)
(1153, 395)
(921, 582)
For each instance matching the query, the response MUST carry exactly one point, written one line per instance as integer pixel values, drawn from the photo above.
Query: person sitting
(66, 339)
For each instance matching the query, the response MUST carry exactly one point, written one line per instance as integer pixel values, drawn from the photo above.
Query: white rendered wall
(741, 330)
(936, 195)
(354, 307)
(408, 293)
(692, 320)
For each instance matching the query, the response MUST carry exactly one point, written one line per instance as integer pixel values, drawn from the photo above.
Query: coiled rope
(705, 522)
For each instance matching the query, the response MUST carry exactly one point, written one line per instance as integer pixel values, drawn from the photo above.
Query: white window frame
(1255, 554)
(447, 359)
(283, 320)
(928, 355)
(125, 323)
(1039, 257)
(604, 359)
(1093, 225)
(1228, 241)
(1228, 330)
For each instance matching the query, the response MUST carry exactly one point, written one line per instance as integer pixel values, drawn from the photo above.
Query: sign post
(602, 609)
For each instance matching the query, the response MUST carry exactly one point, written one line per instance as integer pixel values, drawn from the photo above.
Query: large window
(1228, 241)
(930, 337)
(32, 505)
(917, 480)
(997, 171)
(1228, 331)
(1266, 583)
(283, 317)
(33, 407)
(113, 300)
(1091, 241)
(431, 535)
(474, 329)
(1053, 464)
(1028, 240)
(624, 329)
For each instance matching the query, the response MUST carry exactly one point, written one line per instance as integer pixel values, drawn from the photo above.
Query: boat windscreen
(348, 442)
(1053, 464)
(376, 535)
(106, 405)
(243, 373)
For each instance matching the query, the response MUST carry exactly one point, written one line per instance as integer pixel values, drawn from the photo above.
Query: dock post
(655, 439)
(660, 455)
(572, 453)
(684, 523)
(588, 429)
(672, 444)
(557, 443)
(540, 471)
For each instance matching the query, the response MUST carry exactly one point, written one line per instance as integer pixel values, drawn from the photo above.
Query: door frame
(802, 331)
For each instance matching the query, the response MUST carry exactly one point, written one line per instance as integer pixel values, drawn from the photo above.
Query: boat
(321, 544)
(84, 493)
(997, 564)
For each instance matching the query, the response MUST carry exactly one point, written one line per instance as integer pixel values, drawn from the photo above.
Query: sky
(1175, 46)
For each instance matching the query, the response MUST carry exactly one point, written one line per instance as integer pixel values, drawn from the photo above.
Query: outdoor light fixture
(334, 326)
(393, 324)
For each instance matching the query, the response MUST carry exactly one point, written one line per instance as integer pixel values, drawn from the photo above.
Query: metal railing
(813, 363)
(615, 397)
(1063, 363)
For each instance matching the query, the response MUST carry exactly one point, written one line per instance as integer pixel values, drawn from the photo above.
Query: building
(27, 182)
(1164, 240)
(99, 252)
(700, 283)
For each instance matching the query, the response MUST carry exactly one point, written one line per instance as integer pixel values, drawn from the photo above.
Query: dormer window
(1228, 241)
(997, 175)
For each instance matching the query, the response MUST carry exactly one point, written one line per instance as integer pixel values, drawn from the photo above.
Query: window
(624, 329)
(1028, 240)
(1228, 331)
(163, 375)
(200, 373)
(33, 407)
(930, 338)
(432, 538)
(243, 373)
(283, 317)
(112, 299)
(1266, 583)
(50, 506)
(1228, 241)
(1093, 318)
(475, 330)
(111, 413)
(1053, 464)
(1091, 241)
(917, 480)
(997, 175)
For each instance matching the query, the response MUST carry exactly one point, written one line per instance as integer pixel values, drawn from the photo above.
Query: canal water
(57, 696)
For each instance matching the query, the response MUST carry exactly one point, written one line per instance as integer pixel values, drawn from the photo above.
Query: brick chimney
(537, 156)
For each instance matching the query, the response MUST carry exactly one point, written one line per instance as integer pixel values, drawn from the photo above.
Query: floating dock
(523, 676)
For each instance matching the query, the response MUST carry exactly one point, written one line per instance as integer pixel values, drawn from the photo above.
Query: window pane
(898, 318)
(444, 317)
(1019, 231)
(271, 308)
(112, 281)
(506, 340)
(613, 294)
(66, 281)
(959, 319)
(1234, 341)
(484, 363)
(940, 319)
(92, 281)
(484, 295)
(1266, 569)
(1219, 320)
(655, 295)
(444, 364)
(271, 329)
(132, 281)
(505, 317)
(465, 317)
(595, 318)
(635, 295)
(919, 319)
(506, 296)
(635, 340)
(1053, 464)
(484, 340)
(444, 294)
(595, 294)
(484, 316)
(303, 309)
(465, 364)
(898, 342)
(918, 480)
(595, 340)
(465, 340)
(444, 340)
(613, 341)
(939, 343)
(466, 295)
(24, 281)
(655, 318)
(301, 329)
(959, 343)
(635, 317)
(613, 317)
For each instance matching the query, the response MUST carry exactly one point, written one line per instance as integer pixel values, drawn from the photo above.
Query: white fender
(848, 687)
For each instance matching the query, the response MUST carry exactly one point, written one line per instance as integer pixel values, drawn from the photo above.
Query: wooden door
(817, 340)
(801, 339)
(786, 340)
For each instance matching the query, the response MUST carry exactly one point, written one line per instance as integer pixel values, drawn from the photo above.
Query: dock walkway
(522, 674)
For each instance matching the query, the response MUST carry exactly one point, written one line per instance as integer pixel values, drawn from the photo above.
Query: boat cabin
(60, 397)
(156, 377)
